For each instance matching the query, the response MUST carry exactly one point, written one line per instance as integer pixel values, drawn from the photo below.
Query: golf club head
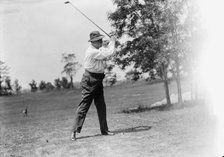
(67, 2)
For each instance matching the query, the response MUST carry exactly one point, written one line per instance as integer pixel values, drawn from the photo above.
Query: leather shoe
(73, 136)
(107, 133)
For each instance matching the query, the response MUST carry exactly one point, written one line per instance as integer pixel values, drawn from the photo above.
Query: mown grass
(46, 130)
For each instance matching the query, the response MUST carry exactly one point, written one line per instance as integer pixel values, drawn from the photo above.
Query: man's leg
(87, 98)
(81, 112)
(101, 109)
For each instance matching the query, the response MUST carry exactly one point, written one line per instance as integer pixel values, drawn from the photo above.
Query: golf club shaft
(87, 18)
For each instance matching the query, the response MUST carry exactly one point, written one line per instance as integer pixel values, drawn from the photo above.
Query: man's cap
(95, 35)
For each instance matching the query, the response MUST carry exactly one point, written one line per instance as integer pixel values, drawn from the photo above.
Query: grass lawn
(189, 131)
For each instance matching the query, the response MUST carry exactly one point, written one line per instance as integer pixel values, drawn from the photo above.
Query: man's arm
(105, 52)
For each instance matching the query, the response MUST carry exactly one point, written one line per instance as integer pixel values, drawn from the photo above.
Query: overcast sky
(34, 34)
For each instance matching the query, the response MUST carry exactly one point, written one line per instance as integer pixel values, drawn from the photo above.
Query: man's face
(97, 44)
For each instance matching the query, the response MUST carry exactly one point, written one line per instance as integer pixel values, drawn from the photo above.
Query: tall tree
(196, 38)
(183, 22)
(71, 66)
(144, 24)
(176, 37)
(158, 38)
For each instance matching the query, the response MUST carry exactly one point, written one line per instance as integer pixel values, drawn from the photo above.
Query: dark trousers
(92, 89)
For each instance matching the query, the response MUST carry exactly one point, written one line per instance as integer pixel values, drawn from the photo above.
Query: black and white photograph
(111, 78)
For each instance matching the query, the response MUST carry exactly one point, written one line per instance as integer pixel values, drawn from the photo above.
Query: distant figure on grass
(25, 112)
(92, 83)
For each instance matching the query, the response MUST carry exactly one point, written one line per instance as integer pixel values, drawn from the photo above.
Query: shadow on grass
(125, 130)
(90, 136)
(134, 129)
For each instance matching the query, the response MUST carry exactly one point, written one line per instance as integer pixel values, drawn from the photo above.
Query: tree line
(70, 68)
(6, 85)
(58, 84)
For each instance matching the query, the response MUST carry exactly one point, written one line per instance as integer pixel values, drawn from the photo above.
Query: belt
(95, 75)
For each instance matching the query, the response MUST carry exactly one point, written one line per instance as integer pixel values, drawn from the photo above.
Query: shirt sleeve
(105, 52)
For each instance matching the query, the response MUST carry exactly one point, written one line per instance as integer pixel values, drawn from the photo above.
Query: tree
(182, 21)
(71, 66)
(64, 83)
(8, 84)
(144, 23)
(175, 37)
(33, 86)
(196, 35)
(7, 87)
(4, 70)
(58, 83)
(158, 38)
(133, 75)
(49, 86)
(42, 85)
(17, 87)
(110, 77)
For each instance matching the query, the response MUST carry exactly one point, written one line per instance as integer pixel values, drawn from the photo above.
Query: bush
(33, 86)
(65, 84)
(42, 85)
(6, 89)
(17, 87)
(58, 83)
(49, 86)
(133, 75)
(110, 79)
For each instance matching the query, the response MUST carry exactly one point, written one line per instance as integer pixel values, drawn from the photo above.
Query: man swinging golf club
(92, 86)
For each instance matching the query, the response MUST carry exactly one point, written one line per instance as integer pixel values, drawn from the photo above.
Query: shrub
(17, 87)
(58, 83)
(42, 85)
(33, 86)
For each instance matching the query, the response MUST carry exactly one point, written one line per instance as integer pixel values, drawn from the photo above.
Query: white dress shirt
(95, 59)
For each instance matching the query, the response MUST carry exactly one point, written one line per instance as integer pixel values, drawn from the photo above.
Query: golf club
(67, 2)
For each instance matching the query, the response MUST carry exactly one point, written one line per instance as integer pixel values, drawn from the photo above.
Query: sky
(35, 33)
